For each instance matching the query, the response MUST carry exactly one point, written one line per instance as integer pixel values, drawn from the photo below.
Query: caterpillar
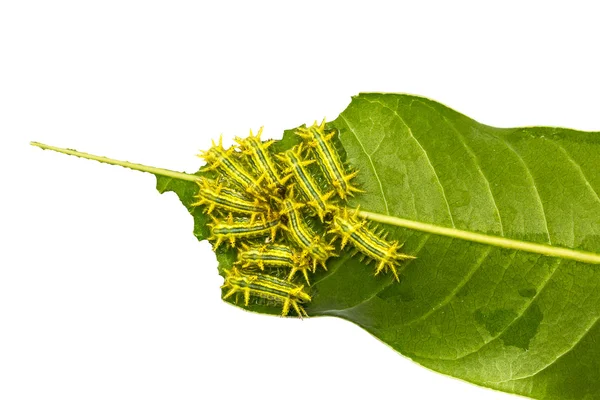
(327, 156)
(306, 183)
(228, 199)
(368, 242)
(242, 228)
(256, 149)
(266, 287)
(309, 241)
(267, 203)
(220, 159)
(273, 255)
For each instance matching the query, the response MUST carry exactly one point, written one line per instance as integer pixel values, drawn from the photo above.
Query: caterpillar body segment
(311, 243)
(242, 228)
(296, 167)
(265, 255)
(267, 287)
(226, 199)
(273, 255)
(261, 159)
(322, 146)
(368, 242)
(231, 167)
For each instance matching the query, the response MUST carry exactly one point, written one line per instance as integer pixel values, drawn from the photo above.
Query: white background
(104, 291)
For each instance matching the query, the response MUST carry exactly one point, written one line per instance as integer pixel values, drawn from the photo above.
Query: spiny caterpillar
(242, 228)
(370, 243)
(222, 160)
(262, 161)
(320, 142)
(309, 241)
(302, 191)
(273, 255)
(266, 287)
(216, 196)
(309, 188)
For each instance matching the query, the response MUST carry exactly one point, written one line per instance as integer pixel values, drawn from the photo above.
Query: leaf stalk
(137, 167)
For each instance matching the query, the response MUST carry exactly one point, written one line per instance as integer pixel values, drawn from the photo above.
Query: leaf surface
(506, 319)
(512, 320)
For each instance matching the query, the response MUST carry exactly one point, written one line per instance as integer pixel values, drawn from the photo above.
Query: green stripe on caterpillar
(273, 255)
(312, 244)
(242, 228)
(262, 160)
(328, 158)
(309, 188)
(215, 195)
(267, 287)
(224, 161)
(373, 245)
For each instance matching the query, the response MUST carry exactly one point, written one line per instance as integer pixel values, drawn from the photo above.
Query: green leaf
(511, 320)
(505, 226)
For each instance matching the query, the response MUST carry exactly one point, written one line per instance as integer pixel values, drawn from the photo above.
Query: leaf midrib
(549, 250)
(498, 241)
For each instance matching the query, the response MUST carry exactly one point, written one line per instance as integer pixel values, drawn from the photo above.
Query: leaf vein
(439, 182)
(530, 175)
(585, 179)
(475, 160)
(378, 145)
(387, 210)
(381, 289)
(520, 314)
(571, 348)
(454, 292)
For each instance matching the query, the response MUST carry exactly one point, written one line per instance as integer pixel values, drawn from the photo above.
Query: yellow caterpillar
(262, 160)
(329, 159)
(309, 188)
(242, 228)
(217, 158)
(266, 287)
(375, 246)
(226, 199)
(310, 242)
(273, 255)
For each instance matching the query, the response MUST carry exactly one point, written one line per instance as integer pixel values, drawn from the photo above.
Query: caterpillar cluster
(285, 211)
